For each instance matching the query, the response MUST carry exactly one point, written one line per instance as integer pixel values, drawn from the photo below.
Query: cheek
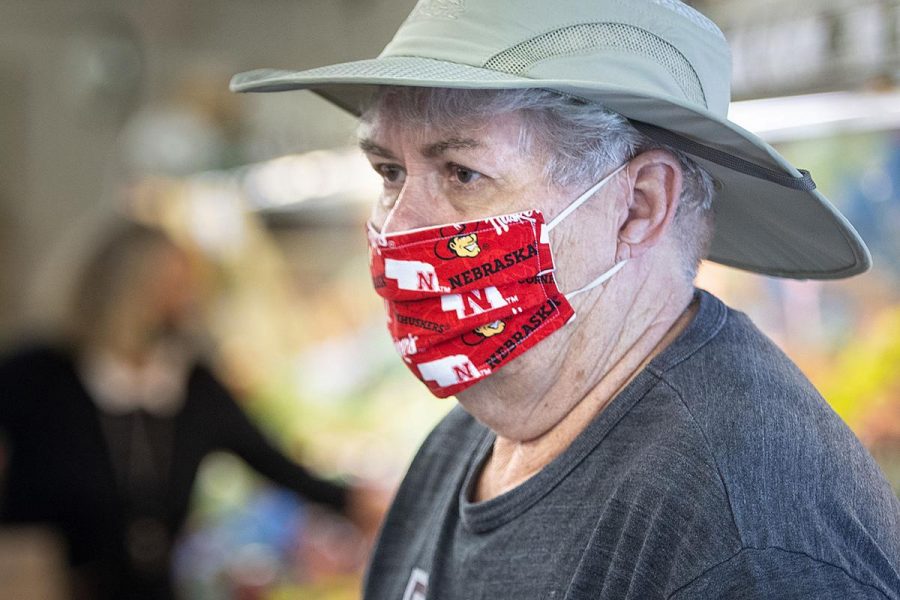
(378, 214)
(583, 247)
(495, 200)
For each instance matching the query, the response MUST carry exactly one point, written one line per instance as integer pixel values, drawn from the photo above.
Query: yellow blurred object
(338, 588)
(863, 385)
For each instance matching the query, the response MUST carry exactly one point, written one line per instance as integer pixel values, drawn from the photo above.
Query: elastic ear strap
(612, 271)
(382, 232)
(582, 198)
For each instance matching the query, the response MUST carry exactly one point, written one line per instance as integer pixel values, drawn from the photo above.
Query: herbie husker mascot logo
(479, 334)
(461, 245)
(465, 246)
(491, 329)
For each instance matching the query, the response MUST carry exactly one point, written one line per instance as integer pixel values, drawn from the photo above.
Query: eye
(390, 173)
(463, 175)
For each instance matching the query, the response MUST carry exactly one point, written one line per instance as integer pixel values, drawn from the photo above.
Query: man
(658, 446)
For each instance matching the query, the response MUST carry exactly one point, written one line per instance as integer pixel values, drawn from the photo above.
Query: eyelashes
(390, 173)
(394, 175)
(463, 175)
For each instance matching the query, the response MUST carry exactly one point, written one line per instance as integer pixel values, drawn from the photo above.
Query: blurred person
(106, 430)
(658, 445)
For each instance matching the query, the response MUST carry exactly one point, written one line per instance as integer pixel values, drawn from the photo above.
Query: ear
(654, 189)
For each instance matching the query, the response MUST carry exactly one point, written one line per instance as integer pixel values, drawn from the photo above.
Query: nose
(418, 205)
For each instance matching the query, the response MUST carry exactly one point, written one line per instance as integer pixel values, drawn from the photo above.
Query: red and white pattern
(465, 299)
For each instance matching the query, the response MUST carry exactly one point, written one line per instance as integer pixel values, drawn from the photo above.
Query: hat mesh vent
(600, 36)
(397, 68)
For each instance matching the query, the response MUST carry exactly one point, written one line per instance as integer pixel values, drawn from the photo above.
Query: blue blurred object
(271, 524)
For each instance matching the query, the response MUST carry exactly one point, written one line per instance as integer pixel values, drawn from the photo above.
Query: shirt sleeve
(21, 373)
(236, 433)
(7, 393)
(777, 574)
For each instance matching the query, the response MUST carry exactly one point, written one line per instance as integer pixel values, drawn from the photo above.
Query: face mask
(464, 299)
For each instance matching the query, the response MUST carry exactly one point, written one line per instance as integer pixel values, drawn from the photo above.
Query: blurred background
(123, 107)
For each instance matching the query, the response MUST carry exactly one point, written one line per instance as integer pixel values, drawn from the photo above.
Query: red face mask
(464, 299)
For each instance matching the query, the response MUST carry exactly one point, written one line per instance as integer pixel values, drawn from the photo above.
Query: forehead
(423, 114)
(442, 107)
(383, 133)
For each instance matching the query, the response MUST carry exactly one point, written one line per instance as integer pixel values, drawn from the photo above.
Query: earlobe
(653, 195)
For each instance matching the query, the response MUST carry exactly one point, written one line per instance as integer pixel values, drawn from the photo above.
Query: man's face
(435, 177)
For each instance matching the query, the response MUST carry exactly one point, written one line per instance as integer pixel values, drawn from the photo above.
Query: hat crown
(655, 46)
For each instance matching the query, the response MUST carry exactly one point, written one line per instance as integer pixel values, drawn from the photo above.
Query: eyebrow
(430, 151)
(438, 148)
(370, 147)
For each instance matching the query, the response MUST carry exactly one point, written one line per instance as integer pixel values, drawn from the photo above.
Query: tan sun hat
(660, 63)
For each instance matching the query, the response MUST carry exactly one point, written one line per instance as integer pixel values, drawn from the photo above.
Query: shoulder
(201, 377)
(34, 380)
(206, 395)
(795, 475)
(779, 574)
(744, 395)
(33, 359)
(30, 371)
(763, 422)
(765, 425)
(205, 385)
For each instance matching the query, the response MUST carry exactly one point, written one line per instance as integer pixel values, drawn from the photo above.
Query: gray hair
(581, 143)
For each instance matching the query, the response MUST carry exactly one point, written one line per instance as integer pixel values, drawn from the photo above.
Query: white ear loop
(582, 198)
(568, 210)
(381, 233)
(387, 220)
(612, 271)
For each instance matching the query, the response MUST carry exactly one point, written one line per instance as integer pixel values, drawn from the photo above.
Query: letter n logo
(412, 275)
(464, 372)
(474, 302)
(426, 281)
(449, 370)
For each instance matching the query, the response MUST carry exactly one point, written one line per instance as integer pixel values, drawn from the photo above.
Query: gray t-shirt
(718, 472)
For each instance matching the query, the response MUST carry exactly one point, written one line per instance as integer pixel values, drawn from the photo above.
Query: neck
(586, 382)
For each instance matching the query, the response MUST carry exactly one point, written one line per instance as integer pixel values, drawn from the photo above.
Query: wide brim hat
(659, 63)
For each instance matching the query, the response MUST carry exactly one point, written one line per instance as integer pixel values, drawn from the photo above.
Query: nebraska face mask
(464, 299)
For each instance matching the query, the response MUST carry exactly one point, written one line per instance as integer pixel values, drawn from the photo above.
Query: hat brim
(769, 225)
